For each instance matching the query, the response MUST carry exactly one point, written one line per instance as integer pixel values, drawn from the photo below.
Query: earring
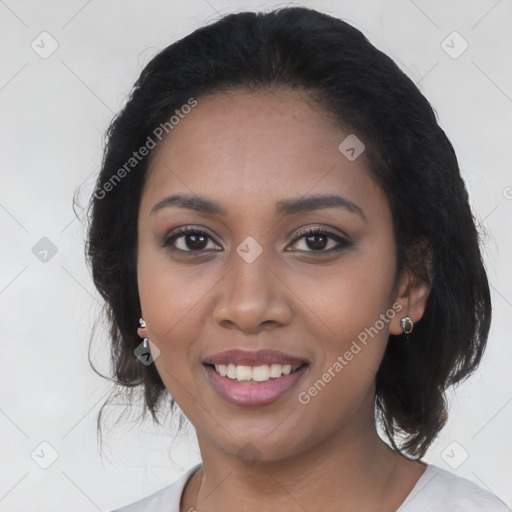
(142, 325)
(407, 325)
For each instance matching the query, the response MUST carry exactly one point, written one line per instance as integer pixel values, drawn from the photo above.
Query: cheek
(168, 291)
(175, 300)
(352, 297)
(353, 341)
(170, 304)
(353, 304)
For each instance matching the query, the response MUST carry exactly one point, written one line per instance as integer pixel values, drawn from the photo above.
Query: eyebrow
(316, 202)
(283, 207)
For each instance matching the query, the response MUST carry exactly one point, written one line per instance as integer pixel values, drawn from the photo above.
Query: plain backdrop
(55, 108)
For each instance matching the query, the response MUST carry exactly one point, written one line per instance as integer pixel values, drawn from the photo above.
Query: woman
(280, 209)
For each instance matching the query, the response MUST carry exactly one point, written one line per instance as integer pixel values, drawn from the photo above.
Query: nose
(253, 297)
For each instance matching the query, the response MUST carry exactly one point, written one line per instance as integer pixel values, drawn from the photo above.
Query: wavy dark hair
(409, 156)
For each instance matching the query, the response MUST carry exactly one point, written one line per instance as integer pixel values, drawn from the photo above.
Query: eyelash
(343, 243)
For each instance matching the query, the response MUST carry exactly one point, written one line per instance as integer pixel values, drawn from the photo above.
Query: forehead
(243, 147)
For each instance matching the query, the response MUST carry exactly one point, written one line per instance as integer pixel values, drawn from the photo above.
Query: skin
(247, 151)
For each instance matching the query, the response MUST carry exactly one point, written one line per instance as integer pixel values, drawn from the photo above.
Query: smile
(250, 392)
(261, 373)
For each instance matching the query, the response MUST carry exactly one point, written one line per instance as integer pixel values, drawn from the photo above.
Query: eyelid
(319, 228)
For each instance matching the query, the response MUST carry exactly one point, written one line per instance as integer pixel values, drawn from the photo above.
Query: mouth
(254, 374)
(254, 379)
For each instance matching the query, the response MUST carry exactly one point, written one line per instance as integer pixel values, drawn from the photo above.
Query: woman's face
(249, 170)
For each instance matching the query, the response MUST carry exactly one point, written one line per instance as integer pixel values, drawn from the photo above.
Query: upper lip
(248, 358)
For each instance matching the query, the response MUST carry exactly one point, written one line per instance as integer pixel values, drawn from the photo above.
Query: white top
(437, 490)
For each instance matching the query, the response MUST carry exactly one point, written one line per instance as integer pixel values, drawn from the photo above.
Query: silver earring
(145, 343)
(407, 325)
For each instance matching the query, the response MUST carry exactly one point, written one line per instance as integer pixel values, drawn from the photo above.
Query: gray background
(54, 110)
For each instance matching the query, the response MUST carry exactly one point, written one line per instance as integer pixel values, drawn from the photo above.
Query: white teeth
(231, 371)
(260, 373)
(275, 370)
(243, 372)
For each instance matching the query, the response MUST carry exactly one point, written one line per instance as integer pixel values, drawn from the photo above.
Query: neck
(353, 467)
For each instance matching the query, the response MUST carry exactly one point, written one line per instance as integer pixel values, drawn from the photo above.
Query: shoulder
(439, 490)
(167, 498)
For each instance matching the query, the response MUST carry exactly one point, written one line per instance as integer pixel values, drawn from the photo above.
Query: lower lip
(254, 394)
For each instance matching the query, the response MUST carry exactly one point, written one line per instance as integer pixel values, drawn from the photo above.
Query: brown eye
(321, 241)
(189, 240)
(317, 241)
(195, 242)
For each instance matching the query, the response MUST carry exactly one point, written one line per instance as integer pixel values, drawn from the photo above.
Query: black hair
(409, 156)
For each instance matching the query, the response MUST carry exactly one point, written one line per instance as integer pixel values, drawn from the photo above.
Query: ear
(142, 332)
(413, 287)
